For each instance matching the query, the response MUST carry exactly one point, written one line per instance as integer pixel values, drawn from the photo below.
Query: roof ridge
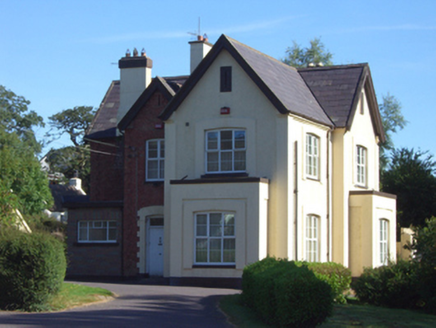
(259, 52)
(332, 67)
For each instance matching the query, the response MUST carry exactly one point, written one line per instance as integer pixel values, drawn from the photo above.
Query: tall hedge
(286, 295)
(32, 269)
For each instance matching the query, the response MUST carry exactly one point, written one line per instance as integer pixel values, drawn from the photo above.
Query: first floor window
(384, 249)
(225, 151)
(214, 238)
(97, 231)
(361, 166)
(312, 156)
(155, 160)
(312, 238)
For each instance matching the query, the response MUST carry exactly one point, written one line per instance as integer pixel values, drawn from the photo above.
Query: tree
(23, 185)
(392, 120)
(71, 159)
(301, 57)
(74, 121)
(410, 175)
(15, 116)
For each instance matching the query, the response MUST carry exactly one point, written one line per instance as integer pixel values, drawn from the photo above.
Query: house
(246, 157)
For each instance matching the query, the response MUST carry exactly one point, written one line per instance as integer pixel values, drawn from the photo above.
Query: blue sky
(61, 54)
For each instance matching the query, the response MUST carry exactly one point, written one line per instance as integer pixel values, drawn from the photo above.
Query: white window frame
(384, 242)
(361, 165)
(204, 233)
(159, 159)
(85, 227)
(312, 238)
(312, 156)
(234, 149)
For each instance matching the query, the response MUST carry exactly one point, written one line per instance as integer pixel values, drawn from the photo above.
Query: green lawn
(349, 315)
(72, 295)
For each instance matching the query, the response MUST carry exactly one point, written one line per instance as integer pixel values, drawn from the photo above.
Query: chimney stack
(135, 76)
(199, 50)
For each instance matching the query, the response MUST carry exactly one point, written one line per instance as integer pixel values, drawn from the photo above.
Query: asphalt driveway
(135, 306)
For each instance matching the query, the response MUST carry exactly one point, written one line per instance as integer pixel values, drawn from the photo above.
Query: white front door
(155, 253)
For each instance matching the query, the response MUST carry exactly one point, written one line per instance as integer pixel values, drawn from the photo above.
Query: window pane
(162, 149)
(229, 225)
(215, 250)
(240, 160)
(239, 139)
(212, 140)
(201, 219)
(215, 225)
(83, 233)
(201, 250)
(152, 149)
(229, 251)
(97, 234)
(212, 162)
(226, 140)
(153, 172)
(226, 161)
(112, 234)
(201, 225)
(161, 169)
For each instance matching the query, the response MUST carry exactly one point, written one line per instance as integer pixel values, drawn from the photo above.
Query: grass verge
(73, 295)
(349, 315)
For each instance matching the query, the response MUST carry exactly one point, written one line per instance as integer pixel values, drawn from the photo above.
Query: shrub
(32, 269)
(393, 285)
(335, 274)
(284, 294)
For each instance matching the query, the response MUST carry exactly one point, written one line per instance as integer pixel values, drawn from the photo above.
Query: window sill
(214, 266)
(361, 186)
(154, 183)
(224, 175)
(313, 178)
(96, 244)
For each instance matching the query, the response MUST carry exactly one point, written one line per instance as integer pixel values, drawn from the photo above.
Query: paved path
(136, 306)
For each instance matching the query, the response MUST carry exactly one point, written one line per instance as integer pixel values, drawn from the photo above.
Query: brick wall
(93, 259)
(137, 192)
(106, 170)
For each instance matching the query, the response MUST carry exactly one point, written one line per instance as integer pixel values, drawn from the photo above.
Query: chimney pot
(143, 53)
(199, 38)
(128, 53)
(135, 52)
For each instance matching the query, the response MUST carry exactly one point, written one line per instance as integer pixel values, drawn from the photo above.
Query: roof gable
(280, 83)
(158, 84)
(337, 89)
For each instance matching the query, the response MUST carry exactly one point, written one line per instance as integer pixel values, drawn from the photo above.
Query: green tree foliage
(71, 159)
(393, 121)
(15, 116)
(410, 175)
(74, 121)
(297, 56)
(22, 183)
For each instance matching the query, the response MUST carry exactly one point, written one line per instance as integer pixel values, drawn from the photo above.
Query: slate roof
(284, 82)
(60, 193)
(335, 88)
(105, 120)
(104, 124)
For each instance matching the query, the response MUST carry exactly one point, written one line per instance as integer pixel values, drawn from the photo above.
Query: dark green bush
(32, 269)
(393, 285)
(335, 274)
(286, 295)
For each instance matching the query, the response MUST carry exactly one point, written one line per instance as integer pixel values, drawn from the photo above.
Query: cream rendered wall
(266, 135)
(366, 211)
(248, 201)
(313, 195)
(344, 174)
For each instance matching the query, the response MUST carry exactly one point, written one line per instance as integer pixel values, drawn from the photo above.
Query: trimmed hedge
(32, 269)
(394, 285)
(335, 274)
(286, 295)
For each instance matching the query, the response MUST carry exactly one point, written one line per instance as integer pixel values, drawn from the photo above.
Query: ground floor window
(97, 231)
(214, 238)
(312, 238)
(384, 249)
